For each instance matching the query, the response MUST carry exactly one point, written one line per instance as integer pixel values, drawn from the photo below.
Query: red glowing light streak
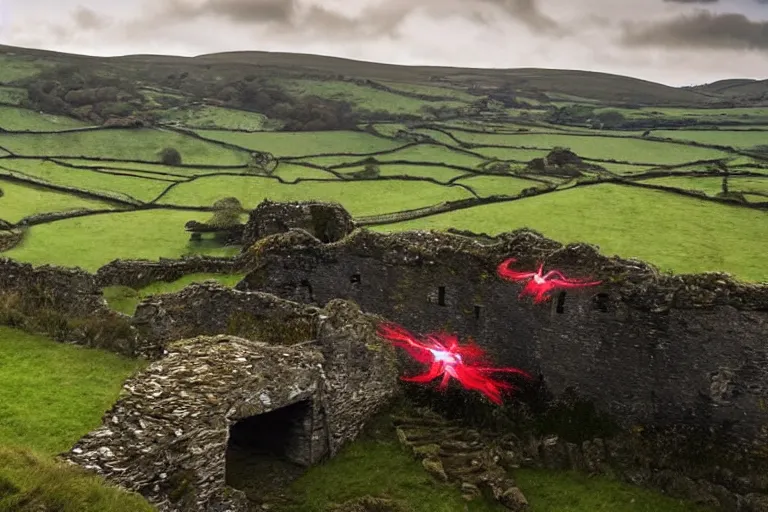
(446, 358)
(540, 284)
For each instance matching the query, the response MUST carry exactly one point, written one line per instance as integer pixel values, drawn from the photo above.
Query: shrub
(170, 156)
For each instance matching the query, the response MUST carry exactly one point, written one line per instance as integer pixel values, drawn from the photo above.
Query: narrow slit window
(441, 296)
(560, 306)
(355, 279)
(601, 301)
(478, 311)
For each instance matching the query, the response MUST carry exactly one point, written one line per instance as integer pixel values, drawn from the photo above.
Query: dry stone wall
(140, 273)
(73, 292)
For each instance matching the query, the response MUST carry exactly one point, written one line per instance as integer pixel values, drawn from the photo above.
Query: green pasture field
(93, 241)
(143, 189)
(605, 148)
(12, 69)
(19, 201)
(363, 97)
(733, 138)
(293, 172)
(625, 169)
(513, 154)
(433, 153)
(122, 144)
(217, 117)
(485, 186)
(755, 198)
(125, 299)
(303, 143)
(12, 95)
(685, 235)
(20, 119)
(332, 161)
(358, 197)
(441, 174)
(739, 128)
(51, 394)
(437, 135)
(431, 90)
(148, 169)
(389, 129)
(712, 186)
(725, 113)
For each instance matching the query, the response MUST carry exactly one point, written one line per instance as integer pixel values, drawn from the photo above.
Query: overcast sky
(678, 42)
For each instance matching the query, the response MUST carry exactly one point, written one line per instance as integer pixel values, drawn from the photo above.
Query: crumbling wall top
(637, 282)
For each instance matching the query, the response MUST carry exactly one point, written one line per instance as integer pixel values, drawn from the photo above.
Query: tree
(170, 156)
(226, 213)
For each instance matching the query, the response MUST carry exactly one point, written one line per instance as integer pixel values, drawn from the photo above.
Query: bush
(170, 156)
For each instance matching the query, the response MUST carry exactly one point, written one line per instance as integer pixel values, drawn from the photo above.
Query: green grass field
(604, 148)
(12, 69)
(18, 119)
(149, 168)
(358, 197)
(137, 144)
(303, 143)
(485, 186)
(441, 174)
(143, 189)
(713, 186)
(19, 201)
(217, 117)
(375, 465)
(12, 95)
(735, 138)
(51, 394)
(433, 153)
(698, 237)
(363, 97)
(90, 242)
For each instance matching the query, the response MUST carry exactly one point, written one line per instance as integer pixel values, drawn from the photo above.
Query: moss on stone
(280, 332)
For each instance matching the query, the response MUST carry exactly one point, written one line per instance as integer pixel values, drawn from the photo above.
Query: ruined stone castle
(297, 334)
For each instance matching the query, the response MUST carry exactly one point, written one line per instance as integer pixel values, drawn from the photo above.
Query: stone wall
(175, 456)
(644, 347)
(73, 291)
(209, 308)
(140, 273)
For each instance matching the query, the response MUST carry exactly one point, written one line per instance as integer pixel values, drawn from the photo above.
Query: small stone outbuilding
(191, 430)
(328, 222)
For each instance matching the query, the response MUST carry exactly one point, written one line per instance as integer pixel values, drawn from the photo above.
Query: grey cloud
(701, 30)
(87, 19)
(380, 19)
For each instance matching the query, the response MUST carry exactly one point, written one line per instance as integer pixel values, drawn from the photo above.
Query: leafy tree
(170, 156)
(226, 213)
